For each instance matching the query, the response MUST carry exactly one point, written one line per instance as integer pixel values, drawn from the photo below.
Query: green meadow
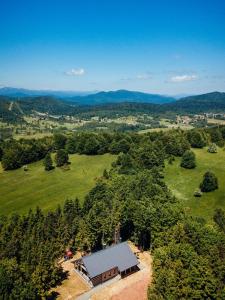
(21, 190)
(183, 183)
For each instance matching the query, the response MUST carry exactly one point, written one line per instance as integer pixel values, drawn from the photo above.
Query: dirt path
(10, 105)
(133, 287)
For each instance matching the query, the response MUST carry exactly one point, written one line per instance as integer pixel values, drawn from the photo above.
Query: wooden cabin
(107, 263)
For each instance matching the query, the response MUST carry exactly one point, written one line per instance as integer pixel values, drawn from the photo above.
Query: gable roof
(119, 255)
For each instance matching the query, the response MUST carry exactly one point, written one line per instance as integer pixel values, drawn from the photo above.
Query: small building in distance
(107, 263)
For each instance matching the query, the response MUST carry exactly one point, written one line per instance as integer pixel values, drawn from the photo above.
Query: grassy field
(184, 182)
(36, 135)
(216, 121)
(22, 190)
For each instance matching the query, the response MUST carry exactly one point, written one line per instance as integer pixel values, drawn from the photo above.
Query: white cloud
(75, 72)
(183, 78)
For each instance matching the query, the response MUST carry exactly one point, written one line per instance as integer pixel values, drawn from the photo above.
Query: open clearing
(184, 182)
(133, 287)
(22, 190)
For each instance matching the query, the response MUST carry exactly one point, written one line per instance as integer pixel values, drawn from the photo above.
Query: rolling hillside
(21, 190)
(210, 102)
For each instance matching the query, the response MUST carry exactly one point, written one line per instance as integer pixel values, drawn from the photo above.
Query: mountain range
(121, 96)
(90, 98)
(108, 103)
(20, 92)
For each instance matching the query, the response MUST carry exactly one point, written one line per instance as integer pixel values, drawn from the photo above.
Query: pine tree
(48, 164)
(209, 183)
(61, 158)
(188, 160)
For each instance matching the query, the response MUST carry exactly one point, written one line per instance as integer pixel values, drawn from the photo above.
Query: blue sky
(167, 47)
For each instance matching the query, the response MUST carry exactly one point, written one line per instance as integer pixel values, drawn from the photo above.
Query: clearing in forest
(184, 182)
(21, 190)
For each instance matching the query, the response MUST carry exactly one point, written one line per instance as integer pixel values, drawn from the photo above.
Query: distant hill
(210, 102)
(121, 96)
(12, 109)
(8, 112)
(45, 104)
(20, 92)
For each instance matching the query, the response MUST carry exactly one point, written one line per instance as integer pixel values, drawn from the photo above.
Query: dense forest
(189, 260)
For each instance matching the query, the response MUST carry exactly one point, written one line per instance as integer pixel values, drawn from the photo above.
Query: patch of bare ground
(133, 287)
(73, 286)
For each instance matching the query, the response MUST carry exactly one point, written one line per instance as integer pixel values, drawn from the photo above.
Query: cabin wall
(96, 280)
(105, 276)
(129, 271)
(110, 274)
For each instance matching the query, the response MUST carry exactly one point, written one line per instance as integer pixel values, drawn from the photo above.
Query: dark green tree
(59, 141)
(71, 146)
(125, 164)
(61, 158)
(209, 183)
(11, 159)
(48, 163)
(120, 146)
(91, 146)
(188, 160)
(196, 138)
(216, 137)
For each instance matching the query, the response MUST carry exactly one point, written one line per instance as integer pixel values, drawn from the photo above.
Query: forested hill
(45, 104)
(121, 96)
(12, 109)
(213, 102)
(20, 92)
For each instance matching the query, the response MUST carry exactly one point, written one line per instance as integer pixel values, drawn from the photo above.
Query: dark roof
(119, 255)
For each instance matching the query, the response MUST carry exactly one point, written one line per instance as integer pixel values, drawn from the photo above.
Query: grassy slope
(184, 182)
(22, 190)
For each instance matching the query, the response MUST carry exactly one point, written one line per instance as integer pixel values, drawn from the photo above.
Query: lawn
(183, 182)
(22, 190)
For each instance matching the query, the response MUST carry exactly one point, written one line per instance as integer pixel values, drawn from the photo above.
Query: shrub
(209, 183)
(212, 148)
